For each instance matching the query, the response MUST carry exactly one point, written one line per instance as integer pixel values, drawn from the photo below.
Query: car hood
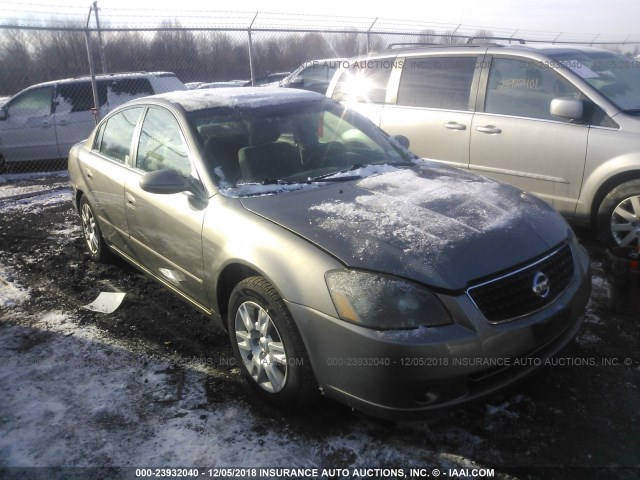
(436, 225)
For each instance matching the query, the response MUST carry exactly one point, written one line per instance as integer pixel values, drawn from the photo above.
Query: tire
(3, 165)
(268, 346)
(98, 250)
(619, 215)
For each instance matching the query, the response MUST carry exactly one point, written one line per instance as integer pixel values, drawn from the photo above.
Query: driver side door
(166, 229)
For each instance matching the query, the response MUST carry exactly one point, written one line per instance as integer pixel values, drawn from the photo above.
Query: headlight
(383, 302)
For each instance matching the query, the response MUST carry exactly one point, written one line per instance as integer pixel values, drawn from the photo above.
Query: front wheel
(619, 215)
(267, 344)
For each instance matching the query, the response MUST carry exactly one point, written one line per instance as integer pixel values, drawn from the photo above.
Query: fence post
(253, 76)
(102, 58)
(369, 35)
(92, 72)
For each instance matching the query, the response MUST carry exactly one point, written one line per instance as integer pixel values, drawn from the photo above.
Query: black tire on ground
(3, 164)
(98, 249)
(618, 218)
(268, 346)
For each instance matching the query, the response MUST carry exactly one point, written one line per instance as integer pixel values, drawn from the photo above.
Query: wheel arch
(607, 187)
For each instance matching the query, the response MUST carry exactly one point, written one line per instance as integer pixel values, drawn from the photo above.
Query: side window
(161, 145)
(117, 135)
(78, 97)
(437, 82)
(524, 89)
(315, 74)
(34, 103)
(123, 90)
(364, 81)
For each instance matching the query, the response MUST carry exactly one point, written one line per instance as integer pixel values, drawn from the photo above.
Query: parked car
(336, 260)
(267, 80)
(230, 83)
(193, 85)
(313, 75)
(44, 121)
(560, 122)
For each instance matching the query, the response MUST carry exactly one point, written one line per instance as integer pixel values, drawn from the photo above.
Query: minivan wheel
(619, 215)
(267, 344)
(98, 250)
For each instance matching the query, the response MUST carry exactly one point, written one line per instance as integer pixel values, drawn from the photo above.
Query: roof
(108, 76)
(243, 97)
(541, 48)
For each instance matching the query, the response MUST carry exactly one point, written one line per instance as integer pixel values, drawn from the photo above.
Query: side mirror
(166, 182)
(569, 108)
(401, 140)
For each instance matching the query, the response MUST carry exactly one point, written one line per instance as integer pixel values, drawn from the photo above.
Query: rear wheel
(96, 245)
(619, 215)
(268, 345)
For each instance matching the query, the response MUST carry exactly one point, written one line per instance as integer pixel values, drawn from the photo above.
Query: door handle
(131, 201)
(89, 173)
(63, 122)
(454, 126)
(488, 129)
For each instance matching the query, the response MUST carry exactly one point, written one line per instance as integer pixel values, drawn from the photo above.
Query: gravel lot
(152, 385)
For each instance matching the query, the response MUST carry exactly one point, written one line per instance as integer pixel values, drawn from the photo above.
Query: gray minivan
(560, 122)
(44, 121)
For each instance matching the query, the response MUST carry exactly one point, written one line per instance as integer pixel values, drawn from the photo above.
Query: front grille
(512, 295)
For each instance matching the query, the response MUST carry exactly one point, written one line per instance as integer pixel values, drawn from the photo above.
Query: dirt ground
(577, 419)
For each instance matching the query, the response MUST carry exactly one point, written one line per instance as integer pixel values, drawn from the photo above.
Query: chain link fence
(38, 126)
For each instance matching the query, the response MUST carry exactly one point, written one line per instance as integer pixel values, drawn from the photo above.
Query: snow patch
(12, 293)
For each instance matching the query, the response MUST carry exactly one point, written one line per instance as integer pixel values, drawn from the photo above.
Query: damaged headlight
(384, 302)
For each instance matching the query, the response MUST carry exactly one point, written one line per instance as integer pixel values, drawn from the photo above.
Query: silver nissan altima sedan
(337, 261)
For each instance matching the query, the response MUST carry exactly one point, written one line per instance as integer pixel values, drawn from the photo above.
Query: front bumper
(401, 373)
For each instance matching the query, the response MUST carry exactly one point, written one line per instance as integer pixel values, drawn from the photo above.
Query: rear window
(117, 134)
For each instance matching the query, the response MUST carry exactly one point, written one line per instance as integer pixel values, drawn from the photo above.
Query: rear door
(434, 106)
(105, 171)
(166, 230)
(514, 137)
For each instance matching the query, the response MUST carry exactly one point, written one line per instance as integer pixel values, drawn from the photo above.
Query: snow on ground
(11, 292)
(18, 177)
(17, 189)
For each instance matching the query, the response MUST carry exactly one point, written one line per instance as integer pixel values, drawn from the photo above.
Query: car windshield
(290, 143)
(615, 76)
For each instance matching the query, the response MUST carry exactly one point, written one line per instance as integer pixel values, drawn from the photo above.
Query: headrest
(264, 132)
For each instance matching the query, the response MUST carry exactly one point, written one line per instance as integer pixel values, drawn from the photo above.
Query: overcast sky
(571, 16)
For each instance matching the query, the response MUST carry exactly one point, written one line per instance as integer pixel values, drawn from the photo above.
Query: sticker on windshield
(579, 68)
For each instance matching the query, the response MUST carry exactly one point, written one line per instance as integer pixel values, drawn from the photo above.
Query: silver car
(44, 121)
(560, 122)
(337, 261)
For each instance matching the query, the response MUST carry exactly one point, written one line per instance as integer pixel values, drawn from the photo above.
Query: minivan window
(118, 132)
(524, 89)
(34, 103)
(123, 90)
(161, 145)
(364, 81)
(78, 97)
(437, 82)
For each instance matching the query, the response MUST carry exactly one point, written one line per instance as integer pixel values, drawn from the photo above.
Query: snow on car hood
(439, 226)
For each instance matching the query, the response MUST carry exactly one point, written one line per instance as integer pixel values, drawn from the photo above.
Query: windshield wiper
(276, 181)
